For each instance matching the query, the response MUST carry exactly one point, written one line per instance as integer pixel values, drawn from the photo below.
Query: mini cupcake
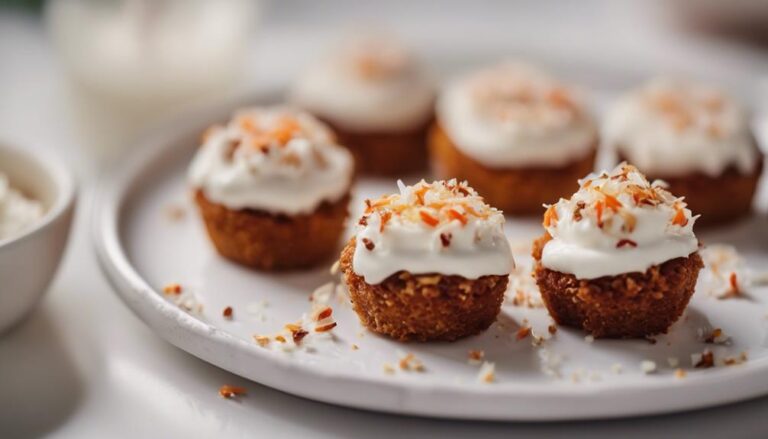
(696, 139)
(429, 263)
(379, 101)
(516, 134)
(273, 188)
(619, 258)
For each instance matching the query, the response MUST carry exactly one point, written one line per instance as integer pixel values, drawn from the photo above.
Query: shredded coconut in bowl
(17, 212)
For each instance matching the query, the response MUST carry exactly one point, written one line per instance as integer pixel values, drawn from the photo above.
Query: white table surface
(84, 366)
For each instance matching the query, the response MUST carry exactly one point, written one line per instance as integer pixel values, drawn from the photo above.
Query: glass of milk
(133, 62)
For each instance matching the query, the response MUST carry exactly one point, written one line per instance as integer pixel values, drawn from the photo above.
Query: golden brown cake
(429, 263)
(273, 189)
(515, 134)
(619, 258)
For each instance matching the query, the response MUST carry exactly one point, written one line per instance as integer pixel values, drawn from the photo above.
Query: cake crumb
(717, 336)
(704, 360)
(487, 372)
(226, 391)
(172, 288)
(227, 313)
(733, 361)
(411, 363)
(552, 329)
(388, 369)
(355, 347)
(680, 373)
(589, 338)
(648, 366)
(475, 357)
(262, 340)
(523, 332)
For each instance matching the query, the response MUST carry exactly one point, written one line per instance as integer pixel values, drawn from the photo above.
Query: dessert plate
(148, 235)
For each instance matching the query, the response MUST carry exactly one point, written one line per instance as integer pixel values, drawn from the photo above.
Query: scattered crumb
(173, 288)
(733, 361)
(322, 294)
(523, 332)
(227, 391)
(411, 363)
(550, 363)
(355, 347)
(648, 366)
(334, 270)
(227, 313)
(487, 373)
(388, 369)
(589, 339)
(680, 373)
(717, 336)
(552, 329)
(703, 360)
(475, 357)
(262, 340)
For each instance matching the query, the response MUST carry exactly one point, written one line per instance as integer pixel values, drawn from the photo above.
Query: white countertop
(84, 366)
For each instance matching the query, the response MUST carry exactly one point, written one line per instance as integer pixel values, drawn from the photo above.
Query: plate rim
(503, 401)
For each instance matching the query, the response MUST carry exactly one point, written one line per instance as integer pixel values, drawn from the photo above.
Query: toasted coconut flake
(703, 360)
(733, 361)
(487, 373)
(226, 391)
(648, 366)
(261, 340)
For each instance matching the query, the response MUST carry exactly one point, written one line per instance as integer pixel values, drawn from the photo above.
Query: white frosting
(369, 84)
(513, 115)
(671, 128)
(617, 223)
(17, 212)
(442, 227)
(274, 159)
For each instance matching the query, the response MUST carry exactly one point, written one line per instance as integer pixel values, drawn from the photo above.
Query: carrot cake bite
(273, 188)
(519, 136)
(695, 138)
(429, 263)
(377, 98)
(619, 258)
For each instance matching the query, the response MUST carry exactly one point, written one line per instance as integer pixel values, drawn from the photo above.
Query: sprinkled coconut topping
(513, 115)
(674, 127)
(617, 222)
(369, 83)
(271, 158)
(443, 227)
(429, 205)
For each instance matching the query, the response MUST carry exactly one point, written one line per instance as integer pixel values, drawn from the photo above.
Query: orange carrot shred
(428, 219)
(455, 214)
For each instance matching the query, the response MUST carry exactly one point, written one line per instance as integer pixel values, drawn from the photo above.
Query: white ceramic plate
(142, 248)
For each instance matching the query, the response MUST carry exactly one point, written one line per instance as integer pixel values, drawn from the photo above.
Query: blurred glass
(134, 61)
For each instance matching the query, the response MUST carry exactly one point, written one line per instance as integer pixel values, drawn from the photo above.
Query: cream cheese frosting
(670, 128)
(514, 115)
(370, 83)
(617, 222)
(276, 159)
(442, 227)
(17, 212)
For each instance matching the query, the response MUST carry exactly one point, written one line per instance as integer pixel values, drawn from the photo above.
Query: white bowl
(29, 260)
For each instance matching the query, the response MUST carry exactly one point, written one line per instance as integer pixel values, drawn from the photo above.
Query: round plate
(148, 235)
